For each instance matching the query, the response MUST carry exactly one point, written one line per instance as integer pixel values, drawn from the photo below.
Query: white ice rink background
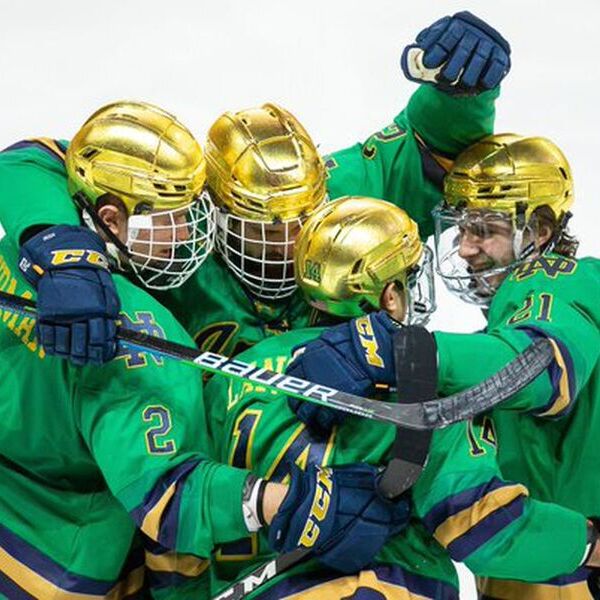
(332, 63)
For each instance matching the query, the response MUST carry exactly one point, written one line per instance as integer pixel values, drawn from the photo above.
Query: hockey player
(354, 255)
(266, 177)
(91, 455)
(502, 243)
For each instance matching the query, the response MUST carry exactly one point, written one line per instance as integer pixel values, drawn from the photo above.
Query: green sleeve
(448, 124)
(405, 162)
(33, 191)
(149, 448)
(219, 393)
(489, 523)
(538, 300)
(143, 419)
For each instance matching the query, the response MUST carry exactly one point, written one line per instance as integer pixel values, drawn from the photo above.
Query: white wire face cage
(475, 287)
(165, 248)
(259, 254)
(421, 291)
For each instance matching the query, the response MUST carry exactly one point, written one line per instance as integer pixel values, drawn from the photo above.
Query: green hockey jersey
(403, 163)
(463, 508)
(89, 456)
(548, 441)
(555, 456)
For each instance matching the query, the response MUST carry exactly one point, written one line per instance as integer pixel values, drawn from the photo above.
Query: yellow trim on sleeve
(151, 522)
(564, 397)
(460, 523)
(174, 562)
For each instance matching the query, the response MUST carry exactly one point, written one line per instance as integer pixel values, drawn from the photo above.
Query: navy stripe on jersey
(11, 590)
(564, 384)
(158, 516)
(50, 570)
(392, 575)
(464, 522)
(455, 504)
(46, 145)
(486, 529)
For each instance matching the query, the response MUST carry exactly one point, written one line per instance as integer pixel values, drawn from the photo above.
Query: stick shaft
(429, 414)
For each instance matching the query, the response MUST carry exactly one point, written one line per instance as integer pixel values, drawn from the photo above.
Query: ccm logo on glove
(61, 257)
(319, 508)
(368, 341)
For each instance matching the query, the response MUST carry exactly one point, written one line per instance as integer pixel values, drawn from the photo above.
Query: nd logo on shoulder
(551, 266)
(145, 322)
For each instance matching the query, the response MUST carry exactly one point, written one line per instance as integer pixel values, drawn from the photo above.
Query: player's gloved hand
(460, 54)
(77, 301)
(337, 512)
(351, 357)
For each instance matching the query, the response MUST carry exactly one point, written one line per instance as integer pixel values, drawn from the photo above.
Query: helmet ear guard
(142, 156)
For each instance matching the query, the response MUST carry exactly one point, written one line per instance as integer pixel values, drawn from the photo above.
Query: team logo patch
(145, 322)
(551, 266)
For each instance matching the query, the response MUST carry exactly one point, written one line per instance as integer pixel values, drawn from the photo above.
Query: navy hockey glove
(77, 301)
(460, 54)
(338, 512)
(351, 357)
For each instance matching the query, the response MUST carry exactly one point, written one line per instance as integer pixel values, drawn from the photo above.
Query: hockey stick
(430, 414)
(240, 589)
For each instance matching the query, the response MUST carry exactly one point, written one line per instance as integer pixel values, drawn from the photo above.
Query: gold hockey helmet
(139, 153)
(502, 178)
(265, 176)
(511, 173)
(263, 165)
(350, 249)
(147, 159)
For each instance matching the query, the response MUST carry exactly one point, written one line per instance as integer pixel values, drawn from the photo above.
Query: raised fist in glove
(338, 512)
(352, 357)
(460, 54)
(77, 301)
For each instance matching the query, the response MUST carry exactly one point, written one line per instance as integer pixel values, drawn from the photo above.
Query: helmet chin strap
(114, 246)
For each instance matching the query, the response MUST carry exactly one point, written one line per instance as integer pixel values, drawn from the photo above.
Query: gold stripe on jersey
(39, 587)
(174, 562)
(443, 161)
(460, 523)
(129, 586)
(346, 587)
(151, 522)
(51, 145)
(283, 451)
(520, 590)
(564, 396)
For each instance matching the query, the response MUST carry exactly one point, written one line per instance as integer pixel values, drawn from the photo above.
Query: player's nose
(468, 245)
(182, 229)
